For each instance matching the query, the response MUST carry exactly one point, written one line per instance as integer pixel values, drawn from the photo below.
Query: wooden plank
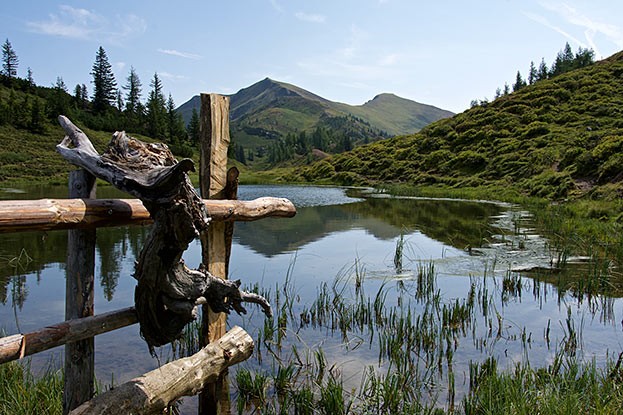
(52, 214)
(155, 390)
(80, 270)
(18, 346)
(214, 135)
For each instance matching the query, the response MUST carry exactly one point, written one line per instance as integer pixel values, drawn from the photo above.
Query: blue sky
(444, 53)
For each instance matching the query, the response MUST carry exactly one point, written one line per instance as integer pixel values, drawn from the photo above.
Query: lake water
(337, 236)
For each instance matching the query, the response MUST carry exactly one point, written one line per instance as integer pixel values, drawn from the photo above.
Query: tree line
(108, 108)
(565, 61)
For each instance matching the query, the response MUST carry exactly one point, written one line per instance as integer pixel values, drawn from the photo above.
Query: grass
(21, 392)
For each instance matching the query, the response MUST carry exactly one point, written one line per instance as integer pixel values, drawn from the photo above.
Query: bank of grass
(565, 387)
(21, 392)
(587, 225)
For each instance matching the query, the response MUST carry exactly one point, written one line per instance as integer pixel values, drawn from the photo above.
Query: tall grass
(23, 393)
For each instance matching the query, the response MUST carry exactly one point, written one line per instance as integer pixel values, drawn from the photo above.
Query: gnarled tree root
(168, 292)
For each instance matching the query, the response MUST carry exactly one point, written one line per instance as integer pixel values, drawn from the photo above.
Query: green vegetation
(415, 332)
(557, 138)
(22, 393)
(29, 129)
(273, 122)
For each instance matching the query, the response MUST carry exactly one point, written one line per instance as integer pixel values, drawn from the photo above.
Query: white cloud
(186, 55)
(276, 6)
(389, 60)
(313, 18)
(171, 77)
(590, 26)
(542, 20)
(119, 66)
(78, 23)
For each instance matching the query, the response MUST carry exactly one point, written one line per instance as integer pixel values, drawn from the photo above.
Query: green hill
(553, 138)
(270, 110)
(29, 131)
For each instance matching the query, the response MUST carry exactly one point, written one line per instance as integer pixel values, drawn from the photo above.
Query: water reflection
(330, 233)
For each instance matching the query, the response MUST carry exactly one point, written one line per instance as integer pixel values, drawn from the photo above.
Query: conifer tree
(58, 101)
(156, 109)
(104, 84)
(29, 78)
(175, 124)
(507, 89)
(133, 94)
(519, 82)
(193, 128)
(532, 74)
(119, 100)
(542, 73)
(9, 60)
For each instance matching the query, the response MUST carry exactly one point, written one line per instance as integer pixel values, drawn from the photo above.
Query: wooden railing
(82, 214)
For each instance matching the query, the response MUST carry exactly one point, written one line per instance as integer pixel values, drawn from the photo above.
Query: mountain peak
(275, 108)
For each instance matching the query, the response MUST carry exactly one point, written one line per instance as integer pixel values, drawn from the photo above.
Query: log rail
(51, 214)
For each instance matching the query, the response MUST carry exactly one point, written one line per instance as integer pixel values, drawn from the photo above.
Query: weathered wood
(214, 141)
(154, 391)
(79, 355)
(51, 214)
(17, 346)
(167, 293)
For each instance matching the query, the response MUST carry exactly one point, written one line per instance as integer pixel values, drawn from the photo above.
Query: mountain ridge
(270, 109)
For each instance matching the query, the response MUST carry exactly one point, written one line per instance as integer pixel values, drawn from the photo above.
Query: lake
(449, 262)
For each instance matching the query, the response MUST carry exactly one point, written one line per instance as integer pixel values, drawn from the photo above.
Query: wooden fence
(82, 214)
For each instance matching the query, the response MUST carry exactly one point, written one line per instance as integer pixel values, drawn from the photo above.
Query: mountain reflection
(458, 224)
(455, 223)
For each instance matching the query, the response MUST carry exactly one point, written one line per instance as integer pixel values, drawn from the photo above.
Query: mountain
(271, 109)
(555, 138)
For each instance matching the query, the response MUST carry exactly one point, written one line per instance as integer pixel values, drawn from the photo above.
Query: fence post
(79, 356)
(214, 136)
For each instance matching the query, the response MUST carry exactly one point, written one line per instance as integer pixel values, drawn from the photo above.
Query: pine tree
(119, 100)
(133, 94)
(156, 109)
(507, 89)
(175, 123)
(519, 82)
(532, 74)
(543, 72)
(29, 78)
(193, 128)
(583, 57)
(564, 61)
(104, 84)
(9, 60)
(58, 101)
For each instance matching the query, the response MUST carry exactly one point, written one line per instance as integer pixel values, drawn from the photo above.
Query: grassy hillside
(29, 132)
(555, 138)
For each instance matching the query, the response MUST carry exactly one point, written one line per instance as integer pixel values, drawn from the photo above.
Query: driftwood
(17, 346)
(51, 214)
(167, 293)
(152, 392)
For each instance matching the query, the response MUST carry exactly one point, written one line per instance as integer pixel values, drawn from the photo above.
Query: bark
(52, 214)
(155, 390)
(18, 346)
(168, 292)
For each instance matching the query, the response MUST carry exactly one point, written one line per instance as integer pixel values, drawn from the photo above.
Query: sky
(443, 53)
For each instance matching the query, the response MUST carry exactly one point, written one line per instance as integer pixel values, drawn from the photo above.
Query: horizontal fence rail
(51, 214)
(18, 346)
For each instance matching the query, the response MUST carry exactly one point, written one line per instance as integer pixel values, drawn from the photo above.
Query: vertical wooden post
(214, 136)
(79, 356)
